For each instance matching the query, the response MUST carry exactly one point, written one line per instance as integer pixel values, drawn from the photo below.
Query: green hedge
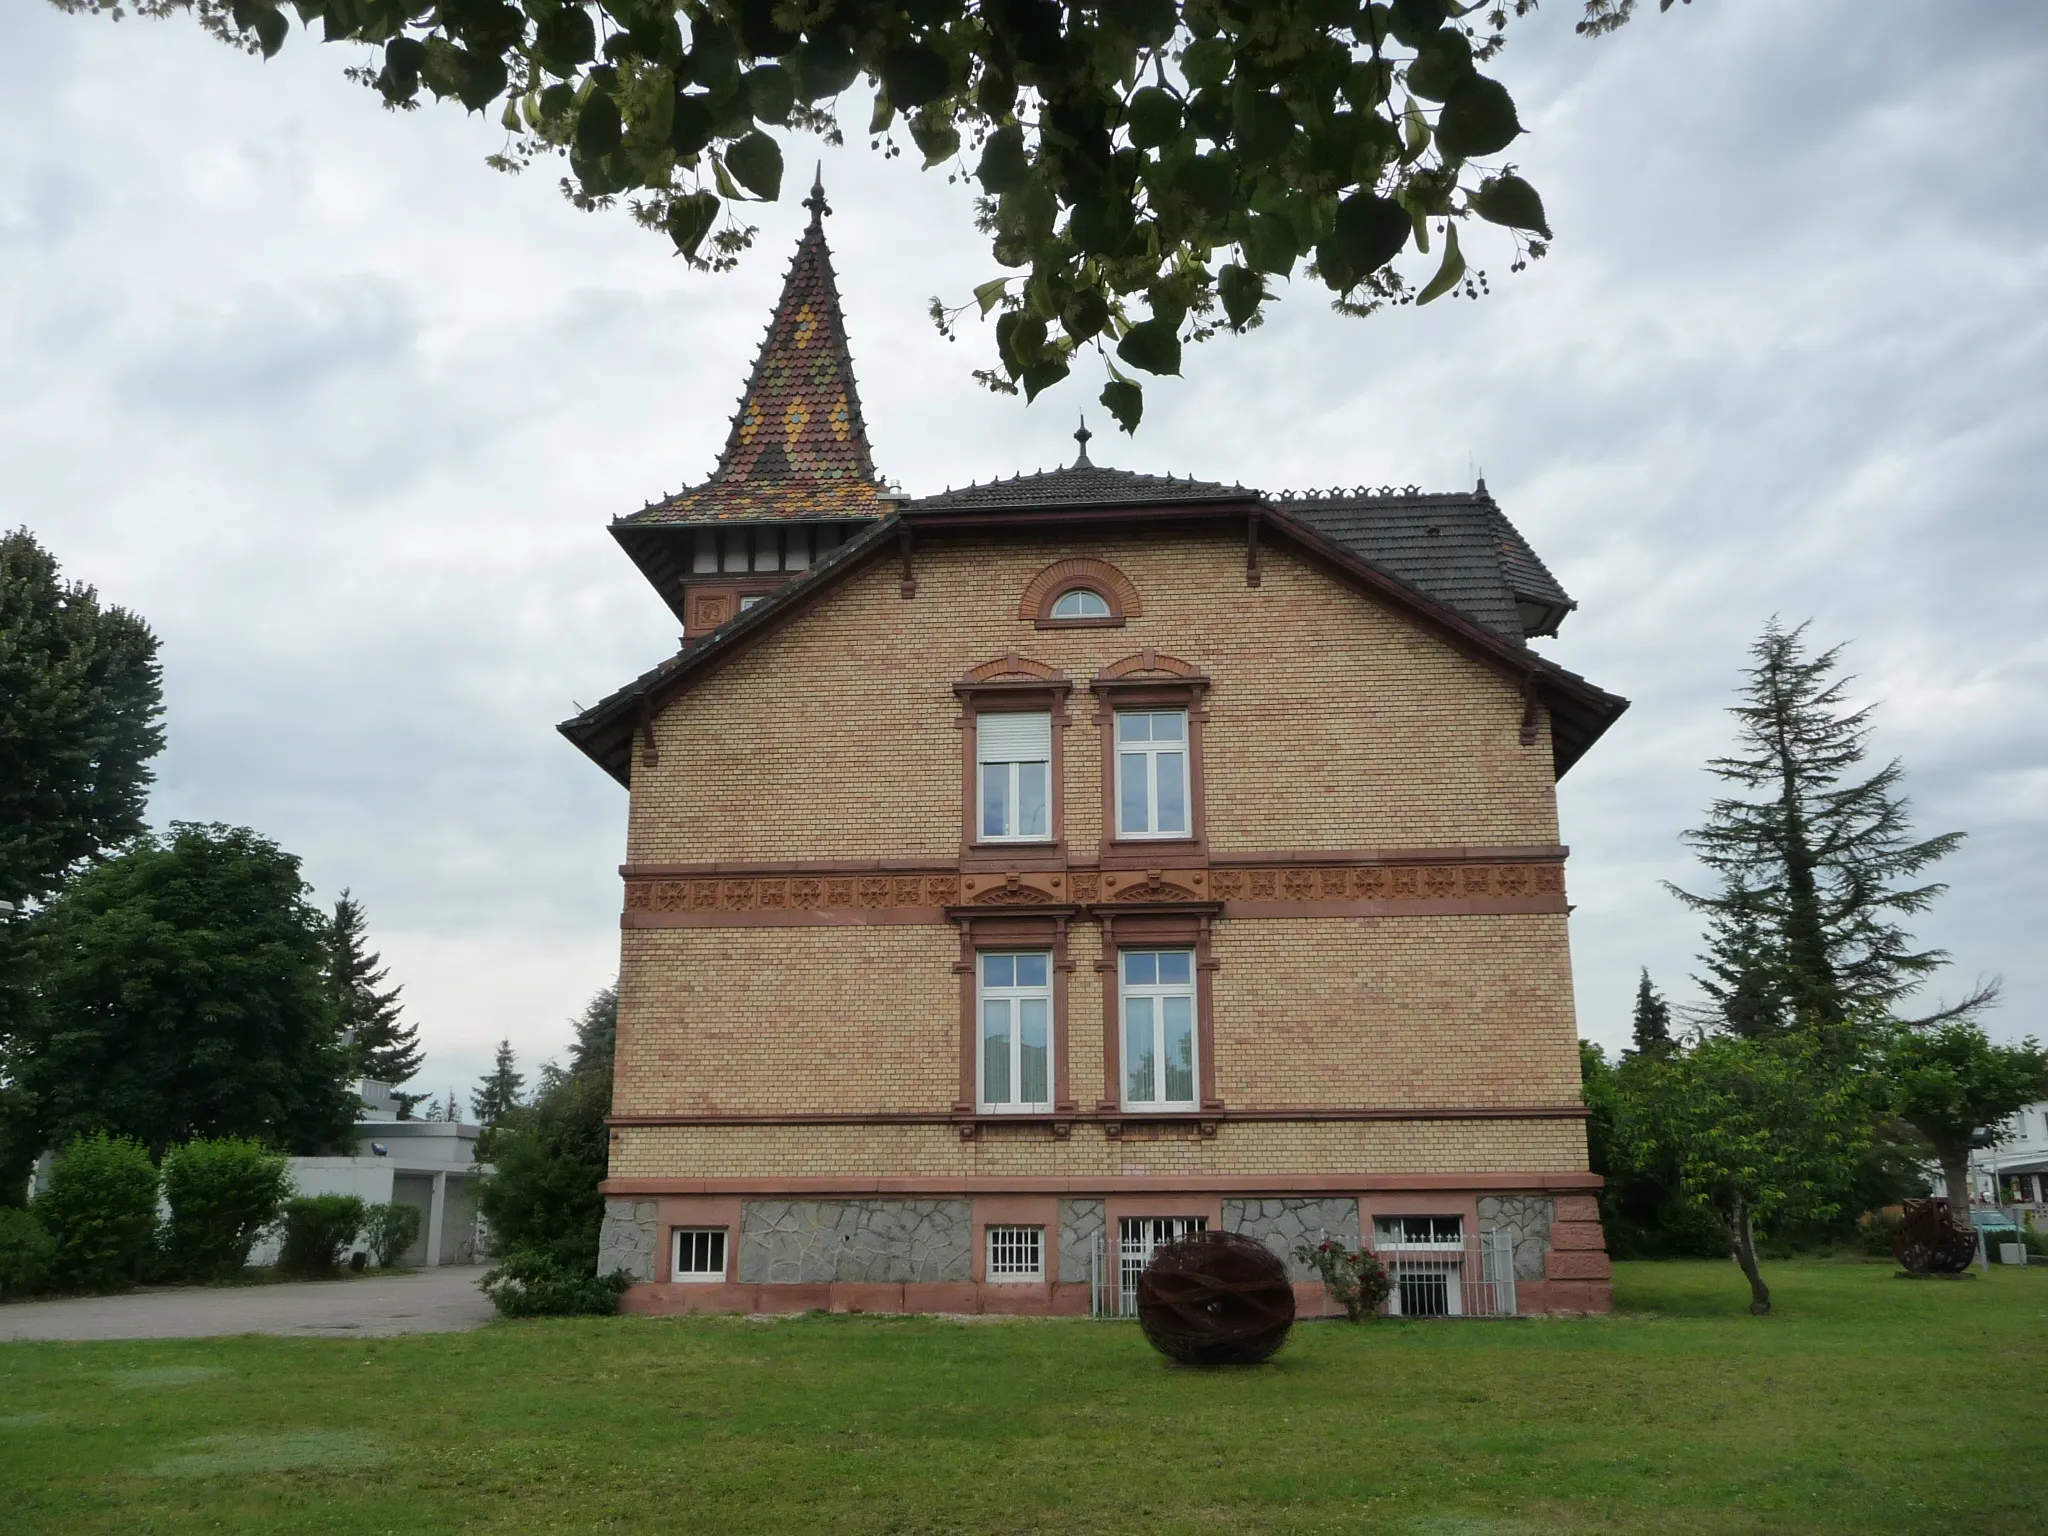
(222, 1195)
(390, 1230)
(528, 1284)
(25, 1252)
(317, 1228)
(100, 1212)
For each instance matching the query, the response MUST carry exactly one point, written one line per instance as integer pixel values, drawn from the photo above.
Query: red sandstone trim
(1108, 1184)
(1111, 1115)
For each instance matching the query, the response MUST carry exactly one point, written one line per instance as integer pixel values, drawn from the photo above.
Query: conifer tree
(386, 1048)
(1818, 865)
(1653, 1017)
(499, 1094)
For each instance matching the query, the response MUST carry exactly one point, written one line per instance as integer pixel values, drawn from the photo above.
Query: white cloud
(343, 413)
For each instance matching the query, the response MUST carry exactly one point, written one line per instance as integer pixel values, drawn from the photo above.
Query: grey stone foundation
(626, 1239)
(1283, 1225)
(886, 1241)
(1080, 1230)
(1528, 1217)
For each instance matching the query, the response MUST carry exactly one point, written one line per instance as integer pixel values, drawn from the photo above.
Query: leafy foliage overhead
(1146, 169)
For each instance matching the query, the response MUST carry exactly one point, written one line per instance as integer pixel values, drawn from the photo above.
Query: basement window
(1016, 1254)
(699, 1254)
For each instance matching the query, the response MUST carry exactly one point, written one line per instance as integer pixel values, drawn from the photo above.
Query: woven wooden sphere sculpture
(1215, 1298)
(1931, 1241)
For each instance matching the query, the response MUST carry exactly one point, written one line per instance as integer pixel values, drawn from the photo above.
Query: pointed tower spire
(1081, 436)
(798, 448)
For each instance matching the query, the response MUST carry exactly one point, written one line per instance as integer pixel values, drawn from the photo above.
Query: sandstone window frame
(701, 1245)
(1182, 925)
(997, 930)
(1015, 760)
(1014, 995)
(1150, 682)
(1011, 684)
(1145, 1002)
(1084, 573)
(1013, 1253)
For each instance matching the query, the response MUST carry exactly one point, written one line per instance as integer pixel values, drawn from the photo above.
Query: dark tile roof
(1457, 548)
(798, 449)
(1082, 484)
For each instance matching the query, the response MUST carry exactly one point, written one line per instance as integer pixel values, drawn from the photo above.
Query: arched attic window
(1080, 603)
(1079, 593)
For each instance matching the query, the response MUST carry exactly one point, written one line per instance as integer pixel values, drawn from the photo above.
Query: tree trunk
(1955, 1178)
(1745, 1255)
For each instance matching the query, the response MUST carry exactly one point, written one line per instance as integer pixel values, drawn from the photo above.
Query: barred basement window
(700, 1254)
(1016, 1253)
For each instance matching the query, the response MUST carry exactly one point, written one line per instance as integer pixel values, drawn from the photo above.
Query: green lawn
(1867, 1404)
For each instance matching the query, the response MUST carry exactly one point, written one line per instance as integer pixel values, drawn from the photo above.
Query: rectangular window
(1152, 773)
(1016, 1254)
(1014, 753)
(1425, 1256)
(1015, 997)
(1138, 1238)
(700, 1253)
(1157, 987)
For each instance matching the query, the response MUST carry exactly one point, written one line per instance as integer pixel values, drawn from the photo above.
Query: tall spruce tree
(1653, 1017)
(498, 1094)
(1818, 865)
(386, 1048)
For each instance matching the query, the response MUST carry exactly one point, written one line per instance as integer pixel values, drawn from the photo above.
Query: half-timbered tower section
(1019, 876)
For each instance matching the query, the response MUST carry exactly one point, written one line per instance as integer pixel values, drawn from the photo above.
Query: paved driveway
(427, 1301)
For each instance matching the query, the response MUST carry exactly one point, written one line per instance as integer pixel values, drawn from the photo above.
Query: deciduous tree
(1955, 1086)
(178, 993)
(81, 698)
(1759, 1131)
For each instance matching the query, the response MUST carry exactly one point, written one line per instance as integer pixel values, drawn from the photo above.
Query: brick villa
(1019, 876)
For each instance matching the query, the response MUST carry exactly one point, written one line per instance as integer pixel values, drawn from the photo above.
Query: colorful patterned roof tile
(798, 448)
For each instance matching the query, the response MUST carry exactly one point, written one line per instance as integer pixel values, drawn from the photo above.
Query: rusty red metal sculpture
(1931, 1240)
(1216, 1298)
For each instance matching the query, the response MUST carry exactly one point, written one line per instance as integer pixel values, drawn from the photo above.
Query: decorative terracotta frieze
(1279, 890)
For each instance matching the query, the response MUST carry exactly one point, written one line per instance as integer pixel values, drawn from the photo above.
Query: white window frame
(1137, 1239)
(1150, 752)
(1424, 1262)
(1013, 800)
(676, 1272)
(1102, 610)
(1158, 993)
(1014, 1243)
(1015, 997)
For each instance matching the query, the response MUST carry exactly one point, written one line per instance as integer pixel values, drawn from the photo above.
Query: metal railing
(1475, 1278)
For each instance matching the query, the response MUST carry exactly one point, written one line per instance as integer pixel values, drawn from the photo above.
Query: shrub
(25, 1250)
(100, 1212)
(2035, 1242)
(222, 1195)
(390, 1230)
(529, 1284)
(316, 1230)
(1355, 1278)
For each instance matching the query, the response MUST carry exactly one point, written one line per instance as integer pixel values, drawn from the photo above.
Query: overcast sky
(344, 413)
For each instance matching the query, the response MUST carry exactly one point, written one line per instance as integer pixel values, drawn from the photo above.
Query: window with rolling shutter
(1014, 755)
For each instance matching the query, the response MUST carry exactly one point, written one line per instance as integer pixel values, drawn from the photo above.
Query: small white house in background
(428, 1164)
(2014, 1174)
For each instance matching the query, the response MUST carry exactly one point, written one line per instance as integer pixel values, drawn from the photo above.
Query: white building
(427, 1164)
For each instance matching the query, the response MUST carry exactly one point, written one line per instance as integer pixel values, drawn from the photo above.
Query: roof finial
(816, 201)
(1081, 436)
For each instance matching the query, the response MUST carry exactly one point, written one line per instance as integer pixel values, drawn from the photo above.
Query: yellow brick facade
(1334, 722)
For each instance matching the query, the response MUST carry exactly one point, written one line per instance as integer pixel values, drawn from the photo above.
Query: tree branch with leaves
(1147, 170)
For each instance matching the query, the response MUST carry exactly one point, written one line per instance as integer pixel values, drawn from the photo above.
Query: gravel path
(443, 1300)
